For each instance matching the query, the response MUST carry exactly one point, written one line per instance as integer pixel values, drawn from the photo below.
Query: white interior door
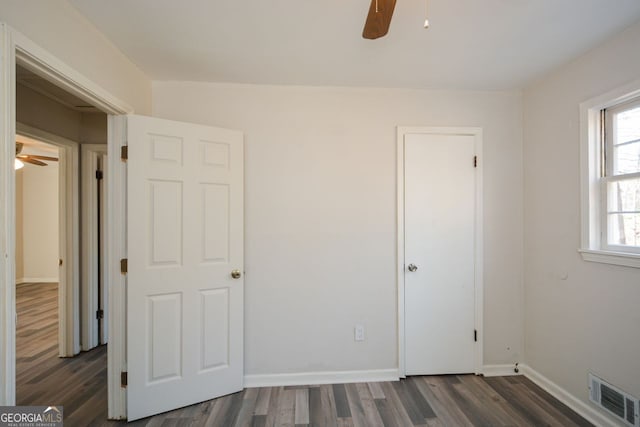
(185, 238)
(440, 199)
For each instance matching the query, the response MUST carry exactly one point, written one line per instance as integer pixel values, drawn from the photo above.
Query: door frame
(91, 244)
(68, 232)
(15, 48)
(476, 132)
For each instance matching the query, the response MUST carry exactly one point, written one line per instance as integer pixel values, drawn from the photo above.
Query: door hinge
(99, 175)
(124, 264)
(123, 379)
(100, 314)
(124, 152)
(475, 335)
(475, 161)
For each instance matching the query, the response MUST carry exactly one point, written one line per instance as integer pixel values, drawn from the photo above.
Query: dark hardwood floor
(43, 378)
(80, 385)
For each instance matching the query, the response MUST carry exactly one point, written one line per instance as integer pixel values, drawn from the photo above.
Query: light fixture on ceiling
(426, 14)
(17, 164)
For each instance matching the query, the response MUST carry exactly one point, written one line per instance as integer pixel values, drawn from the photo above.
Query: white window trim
(592, 248)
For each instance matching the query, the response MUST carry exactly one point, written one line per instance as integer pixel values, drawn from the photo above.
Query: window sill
(609, 257)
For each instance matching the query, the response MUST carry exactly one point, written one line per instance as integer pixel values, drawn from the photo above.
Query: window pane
(626, 158)
(624, 229)
(624, 195)
(627, 126)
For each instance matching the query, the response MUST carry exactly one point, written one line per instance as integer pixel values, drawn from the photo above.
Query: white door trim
(39, 61)
(90, 154)
(7, 220)
(477, 134)
(117, 237)
(69, 232)
(16, 48)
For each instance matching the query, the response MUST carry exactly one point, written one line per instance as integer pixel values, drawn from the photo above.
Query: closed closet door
(439, 270)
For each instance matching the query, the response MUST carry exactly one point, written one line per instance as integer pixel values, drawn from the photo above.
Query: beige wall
(93, 129)
(19, 239)
(580, 316)
(39, 223)
(41, 112)
(320, 215)
(57, 27)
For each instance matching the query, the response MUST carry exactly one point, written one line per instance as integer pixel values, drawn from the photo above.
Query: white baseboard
(36, 280)
(582, 408)
(309, 378)
(499, 370)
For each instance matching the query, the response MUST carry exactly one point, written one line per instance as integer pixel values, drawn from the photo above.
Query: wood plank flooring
(80, 385)
(42, 378)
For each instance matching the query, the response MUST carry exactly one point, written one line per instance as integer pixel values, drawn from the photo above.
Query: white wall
(39, 222)
(580, 316)
(60, 29)
(320, 214)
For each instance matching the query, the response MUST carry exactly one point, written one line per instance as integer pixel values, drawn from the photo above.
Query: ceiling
(471, 44)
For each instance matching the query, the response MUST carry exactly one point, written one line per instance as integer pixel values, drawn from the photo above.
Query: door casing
(69, 225)
(90, 153)
(15, 48)
(400, 250)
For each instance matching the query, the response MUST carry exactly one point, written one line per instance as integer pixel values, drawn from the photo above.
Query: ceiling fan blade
(36, 156)
(378, 19)
(33, 161)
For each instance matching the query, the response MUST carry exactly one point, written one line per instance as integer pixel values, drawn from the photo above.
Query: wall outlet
(359, 333)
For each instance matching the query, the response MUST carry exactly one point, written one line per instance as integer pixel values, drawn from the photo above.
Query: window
(621, 177)
(610, 166)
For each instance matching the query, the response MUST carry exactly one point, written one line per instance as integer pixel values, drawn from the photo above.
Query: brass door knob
(236, 274)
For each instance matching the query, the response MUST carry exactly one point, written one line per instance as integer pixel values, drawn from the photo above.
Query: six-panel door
(185, 237)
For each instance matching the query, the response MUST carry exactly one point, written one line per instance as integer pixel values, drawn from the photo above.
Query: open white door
(185, 261)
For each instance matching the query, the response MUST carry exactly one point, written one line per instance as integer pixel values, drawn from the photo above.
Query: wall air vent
(613, 400)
